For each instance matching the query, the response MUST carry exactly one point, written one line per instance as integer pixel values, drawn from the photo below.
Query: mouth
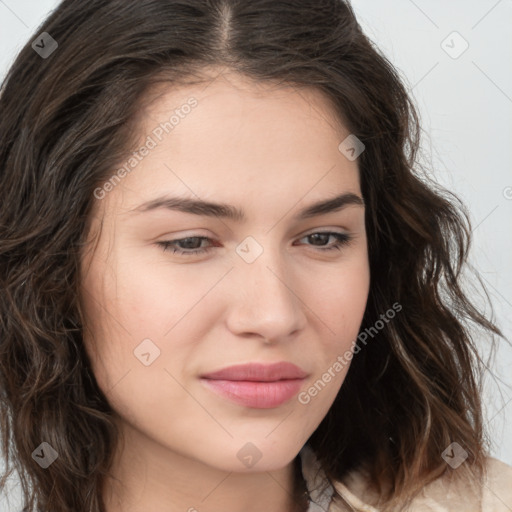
(261, 372)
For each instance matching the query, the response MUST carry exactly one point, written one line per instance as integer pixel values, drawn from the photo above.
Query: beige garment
(440, 496)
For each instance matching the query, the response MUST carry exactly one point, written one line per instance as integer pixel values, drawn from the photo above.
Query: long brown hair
(68, 119)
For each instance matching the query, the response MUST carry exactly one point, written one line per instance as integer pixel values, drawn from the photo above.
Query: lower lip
(258, 395)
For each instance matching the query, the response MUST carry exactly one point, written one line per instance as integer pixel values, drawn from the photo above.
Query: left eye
(191, 246)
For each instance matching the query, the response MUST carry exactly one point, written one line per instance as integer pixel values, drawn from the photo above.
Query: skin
(270, 151)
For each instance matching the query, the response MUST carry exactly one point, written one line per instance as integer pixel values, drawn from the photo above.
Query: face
(173, 293)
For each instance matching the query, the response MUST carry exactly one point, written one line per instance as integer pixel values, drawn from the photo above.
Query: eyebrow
(227, 211)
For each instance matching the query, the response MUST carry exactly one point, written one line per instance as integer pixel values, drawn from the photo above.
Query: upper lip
(258, 372)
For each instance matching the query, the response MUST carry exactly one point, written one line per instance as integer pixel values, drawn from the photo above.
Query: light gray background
(466, 109)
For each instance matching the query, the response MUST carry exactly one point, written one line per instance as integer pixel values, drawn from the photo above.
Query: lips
(258, 372)
(256, 385)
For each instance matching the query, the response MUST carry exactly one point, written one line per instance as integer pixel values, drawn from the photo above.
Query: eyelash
(342, 240)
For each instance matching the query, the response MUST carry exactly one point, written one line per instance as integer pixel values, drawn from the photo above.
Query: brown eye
(190, 245)
(342, 239)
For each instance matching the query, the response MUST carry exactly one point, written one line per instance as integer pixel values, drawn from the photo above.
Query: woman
(226, 285)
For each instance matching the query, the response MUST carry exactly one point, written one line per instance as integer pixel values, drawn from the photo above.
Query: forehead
(220, 85)
(270, 140)
(229, 106)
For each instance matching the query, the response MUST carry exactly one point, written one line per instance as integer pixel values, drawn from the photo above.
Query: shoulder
(497, 489)
(463, 494)
(494, 495)
(446, 494)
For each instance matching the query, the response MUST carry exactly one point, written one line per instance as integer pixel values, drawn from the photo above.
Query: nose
(265, 300)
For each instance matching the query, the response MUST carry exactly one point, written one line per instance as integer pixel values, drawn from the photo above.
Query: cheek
(136, 367)
(155, 295)
(340, 305)
(140, 313)
(339, 295)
